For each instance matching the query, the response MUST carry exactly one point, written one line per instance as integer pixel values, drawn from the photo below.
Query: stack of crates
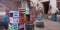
(14, 20)
(39, 16)
(39, 22)
(21, 23)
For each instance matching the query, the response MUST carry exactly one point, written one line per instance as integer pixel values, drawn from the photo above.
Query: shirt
(4, 19)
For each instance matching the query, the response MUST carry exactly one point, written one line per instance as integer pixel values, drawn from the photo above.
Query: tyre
(40, 24)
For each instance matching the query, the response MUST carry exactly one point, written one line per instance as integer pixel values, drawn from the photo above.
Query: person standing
(5, 22)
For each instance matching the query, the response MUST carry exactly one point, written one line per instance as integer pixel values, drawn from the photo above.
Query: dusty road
(49, 25)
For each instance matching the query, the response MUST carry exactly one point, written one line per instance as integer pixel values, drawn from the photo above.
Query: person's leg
(6, 26)
(3, 26)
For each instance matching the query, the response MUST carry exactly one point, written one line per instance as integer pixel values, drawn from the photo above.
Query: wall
(43, 0)
(12, 5)
(2, 13)
(53, 5)
(34, 2)
(24, 4)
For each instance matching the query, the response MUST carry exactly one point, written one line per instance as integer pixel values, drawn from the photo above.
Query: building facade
(58, 4)
(47, 5)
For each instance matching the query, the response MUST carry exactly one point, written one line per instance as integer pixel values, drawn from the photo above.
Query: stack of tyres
(40, 24)
(29, 26)
(39, 16)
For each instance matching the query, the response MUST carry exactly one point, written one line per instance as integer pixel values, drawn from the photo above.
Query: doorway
(46, 7)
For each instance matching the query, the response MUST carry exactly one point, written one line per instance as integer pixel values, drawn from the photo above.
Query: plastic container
(54, 17)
